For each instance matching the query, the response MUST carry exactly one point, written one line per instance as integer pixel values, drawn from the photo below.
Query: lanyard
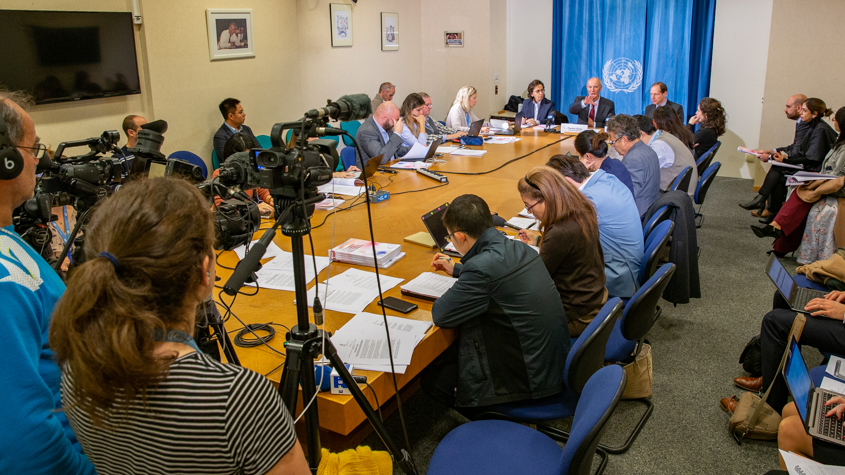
(176, 336)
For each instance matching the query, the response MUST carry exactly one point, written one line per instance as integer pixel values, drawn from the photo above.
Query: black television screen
(68, 56)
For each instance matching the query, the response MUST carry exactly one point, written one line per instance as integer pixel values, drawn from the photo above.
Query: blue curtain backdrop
(630, 45)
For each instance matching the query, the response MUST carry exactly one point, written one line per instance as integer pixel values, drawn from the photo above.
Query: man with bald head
(380, 134)
(774, 185)
(592, 109)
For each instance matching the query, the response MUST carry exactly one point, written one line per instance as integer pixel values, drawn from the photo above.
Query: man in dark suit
(380, 134)
(658, 99)
(592, 109)
(233, 122)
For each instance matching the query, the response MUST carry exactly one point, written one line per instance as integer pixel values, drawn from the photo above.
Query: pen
(444, 257)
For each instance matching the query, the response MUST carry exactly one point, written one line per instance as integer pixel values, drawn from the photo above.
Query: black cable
(229, 311)
(508, 162)
(421, 189)
(378, 406)
(244, 342)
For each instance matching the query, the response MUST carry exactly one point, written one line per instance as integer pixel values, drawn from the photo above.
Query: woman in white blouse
(413, 120)
(460, 115)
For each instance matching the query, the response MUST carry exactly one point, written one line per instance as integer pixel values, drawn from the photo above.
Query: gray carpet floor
(696, 349)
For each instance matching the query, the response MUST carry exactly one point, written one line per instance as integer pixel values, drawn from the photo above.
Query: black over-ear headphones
(11, 160)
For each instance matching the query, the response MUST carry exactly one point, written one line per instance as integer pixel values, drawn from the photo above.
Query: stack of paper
(503, 140)
(278, 273)
(524, 223)
(363, 341)
(785, 165)
(429, 285)
(329, 204)
(351, 291)
(799, 178)
(800, 465)
(447, 148)
(748, 151)
(342, 186)
(411, 165)
(360, 252)
(469, 153)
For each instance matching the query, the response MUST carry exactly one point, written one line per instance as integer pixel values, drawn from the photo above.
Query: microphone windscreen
(159, 126)
(359, 105)
(253, 178)
(498, 221)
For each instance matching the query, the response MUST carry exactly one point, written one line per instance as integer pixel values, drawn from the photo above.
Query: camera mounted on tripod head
(150, 162)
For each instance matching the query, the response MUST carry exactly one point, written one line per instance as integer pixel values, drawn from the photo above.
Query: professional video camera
(150, 162)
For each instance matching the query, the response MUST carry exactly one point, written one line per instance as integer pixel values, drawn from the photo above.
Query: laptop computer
(475, 128)
(432, 149)
(517, 127)
(810, 400)
(372, 166)
(433, 221)
(796, 296)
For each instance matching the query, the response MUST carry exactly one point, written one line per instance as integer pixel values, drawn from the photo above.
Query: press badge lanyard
(176, 336)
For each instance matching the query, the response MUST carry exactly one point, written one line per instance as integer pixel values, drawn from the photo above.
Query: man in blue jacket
(34, 437)
(513, 338)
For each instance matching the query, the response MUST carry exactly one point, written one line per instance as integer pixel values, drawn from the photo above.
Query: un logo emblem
(622, 75)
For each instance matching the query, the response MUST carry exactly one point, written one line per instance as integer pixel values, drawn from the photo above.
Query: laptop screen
(798, 379)
(433, 221)
(781, 278)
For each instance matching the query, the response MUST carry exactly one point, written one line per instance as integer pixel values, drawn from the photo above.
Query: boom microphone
(500, 222)
(349, 107)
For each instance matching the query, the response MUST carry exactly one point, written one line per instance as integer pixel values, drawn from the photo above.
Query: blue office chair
(191, 158)
(348, 157)
(661, 215)
(701, 190)
(352, 128)
(503, 447)
(681, 182)
(704, 161)
(215, 160)
(654, 245)
(264, 141)
(628, 336)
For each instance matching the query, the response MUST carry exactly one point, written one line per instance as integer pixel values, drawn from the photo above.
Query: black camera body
(284, 171)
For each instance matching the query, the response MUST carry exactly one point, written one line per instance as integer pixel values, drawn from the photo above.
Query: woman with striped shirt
(140, 396)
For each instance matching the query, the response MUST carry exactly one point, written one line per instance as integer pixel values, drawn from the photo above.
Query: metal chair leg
(621, 449)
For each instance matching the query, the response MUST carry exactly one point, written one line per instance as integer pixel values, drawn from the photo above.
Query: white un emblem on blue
(622, 75)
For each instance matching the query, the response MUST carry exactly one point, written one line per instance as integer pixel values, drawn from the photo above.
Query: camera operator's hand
(265, 209)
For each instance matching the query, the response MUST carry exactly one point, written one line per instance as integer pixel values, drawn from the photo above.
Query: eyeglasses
(611, 142)
(38, 150)
(529, 208)
(429, 105)
(450, 236)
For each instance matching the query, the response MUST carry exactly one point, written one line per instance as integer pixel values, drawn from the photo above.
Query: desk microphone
(549, 120)
(500, 222)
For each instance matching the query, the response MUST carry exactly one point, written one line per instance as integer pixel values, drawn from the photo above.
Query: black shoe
(768, 219)
(767, 231)
(759, 202)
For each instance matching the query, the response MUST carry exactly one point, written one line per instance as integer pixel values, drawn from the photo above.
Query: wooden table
(393, 219)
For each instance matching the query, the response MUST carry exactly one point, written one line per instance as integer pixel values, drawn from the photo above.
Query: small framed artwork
(341, 19)
(230, 33)
(454, 39)
(389, 31)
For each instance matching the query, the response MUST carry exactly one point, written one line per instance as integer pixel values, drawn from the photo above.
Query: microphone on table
(500, 222)
(549, 120)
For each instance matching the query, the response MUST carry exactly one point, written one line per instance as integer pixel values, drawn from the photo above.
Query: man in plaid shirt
(435, 129)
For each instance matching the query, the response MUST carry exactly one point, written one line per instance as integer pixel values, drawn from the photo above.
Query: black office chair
(701, 190)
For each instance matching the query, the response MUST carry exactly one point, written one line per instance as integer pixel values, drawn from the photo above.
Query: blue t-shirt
(34, 438)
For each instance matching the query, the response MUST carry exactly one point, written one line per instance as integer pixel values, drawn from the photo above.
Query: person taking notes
(460, 115)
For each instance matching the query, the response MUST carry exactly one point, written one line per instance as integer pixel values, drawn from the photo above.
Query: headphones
(11, 160)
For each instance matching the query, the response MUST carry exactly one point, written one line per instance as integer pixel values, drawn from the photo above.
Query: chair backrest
(638, 316)
(704, 161)
(348, 157)
(661, 215)
(191, 158)
(681, 181)
(598, 401)
(352, 128)
(587, 353)
(654, 243)
(705, 181)
(215, 160)
(264, 141)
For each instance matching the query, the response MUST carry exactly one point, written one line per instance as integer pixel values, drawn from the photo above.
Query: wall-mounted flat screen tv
(68, 56)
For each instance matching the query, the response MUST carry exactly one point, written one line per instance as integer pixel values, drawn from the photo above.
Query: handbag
(751, 357)
(640, 375)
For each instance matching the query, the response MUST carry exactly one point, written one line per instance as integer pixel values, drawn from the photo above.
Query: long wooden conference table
(393, 220)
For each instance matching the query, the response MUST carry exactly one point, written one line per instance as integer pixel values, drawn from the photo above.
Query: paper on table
(366, 280)
(833, 385)
(537, 249)
(340, 189)
(469, 153)
(431, 284)
(278, 273)
(525, 213)
(351, 291)
(400, 368)
(396, 324)
(410, 165)
(836, 367)
(360, 343)
(502, 140)
(798, 465)
(417, 151)
(344, 182)
(526, 223)
(447, 148)
(499, 124)
(329, 204)
(272, 250)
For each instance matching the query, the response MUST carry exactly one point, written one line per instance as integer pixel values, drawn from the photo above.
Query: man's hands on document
(444, 263)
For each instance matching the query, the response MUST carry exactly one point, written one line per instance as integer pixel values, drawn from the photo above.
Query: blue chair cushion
(803, 281)
(618, 348)
(549, 408)
(492, 447)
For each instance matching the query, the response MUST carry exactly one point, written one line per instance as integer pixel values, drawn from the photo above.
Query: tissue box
(338, 387)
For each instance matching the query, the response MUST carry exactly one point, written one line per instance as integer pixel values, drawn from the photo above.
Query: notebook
(796, 296)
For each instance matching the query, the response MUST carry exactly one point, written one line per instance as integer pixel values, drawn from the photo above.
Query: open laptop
(517, 127)
(796, 296)
(433, 221)
(810, 400)
(372, 166)
(432, 149)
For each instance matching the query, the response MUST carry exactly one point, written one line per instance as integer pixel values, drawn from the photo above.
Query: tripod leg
(226, 343)
(399, 454)
(289, 384)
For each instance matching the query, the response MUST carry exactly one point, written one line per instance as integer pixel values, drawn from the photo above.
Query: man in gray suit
(640, 160)
(659, 91)
(380, 134)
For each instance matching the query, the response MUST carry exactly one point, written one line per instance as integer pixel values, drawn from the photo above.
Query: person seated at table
(788, 225)
(658, 93)
(511, 327)
(570, 244)
(137, 391)
(591, 147)
(640, 160)
(620, 229)
(679, 138)
(536, 108)
(711, 119)
(460, 116)
(413, 120)
(381, 134)
(592, 109)
(435, 130)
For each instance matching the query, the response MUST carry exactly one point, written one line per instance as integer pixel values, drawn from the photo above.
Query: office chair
(681, 181)
(701, 190)
(352, 128)
(191, 158)
(654, 245)
(703, 161)
(661, 215)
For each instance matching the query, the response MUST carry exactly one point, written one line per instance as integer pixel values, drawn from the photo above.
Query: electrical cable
(378, 406)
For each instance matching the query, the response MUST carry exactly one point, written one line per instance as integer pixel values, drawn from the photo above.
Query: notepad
(428, 286)
(423, 239)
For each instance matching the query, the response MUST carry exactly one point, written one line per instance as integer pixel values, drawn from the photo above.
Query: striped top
(205, 417)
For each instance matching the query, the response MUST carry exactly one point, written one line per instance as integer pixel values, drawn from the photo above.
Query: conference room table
(342, 422)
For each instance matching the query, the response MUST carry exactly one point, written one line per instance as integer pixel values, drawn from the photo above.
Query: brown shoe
(758, 214)
(729, 403)
(749, 383)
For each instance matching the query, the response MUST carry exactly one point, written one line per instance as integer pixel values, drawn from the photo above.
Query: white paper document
(417, 152)
(469, 153)
(410, 165)
(272, 250)
(499, 124)
(537, 249)
(785, 165)
(526, 223)
(447, 148)
(836, 367)
(345, 190)
(798, 465)
(362, 341)
(351, 291)
(833, 385)
(502, 140)
(430, 284)
(278, 273)
(329, 204)
(525, 213)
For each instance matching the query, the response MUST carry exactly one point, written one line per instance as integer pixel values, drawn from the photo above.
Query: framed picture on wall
(454, 39)
(341, 20)
(230, 33)
(389, 31)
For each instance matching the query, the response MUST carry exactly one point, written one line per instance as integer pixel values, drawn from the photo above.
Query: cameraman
(36, 436)
(131, 126)
(238, 143)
